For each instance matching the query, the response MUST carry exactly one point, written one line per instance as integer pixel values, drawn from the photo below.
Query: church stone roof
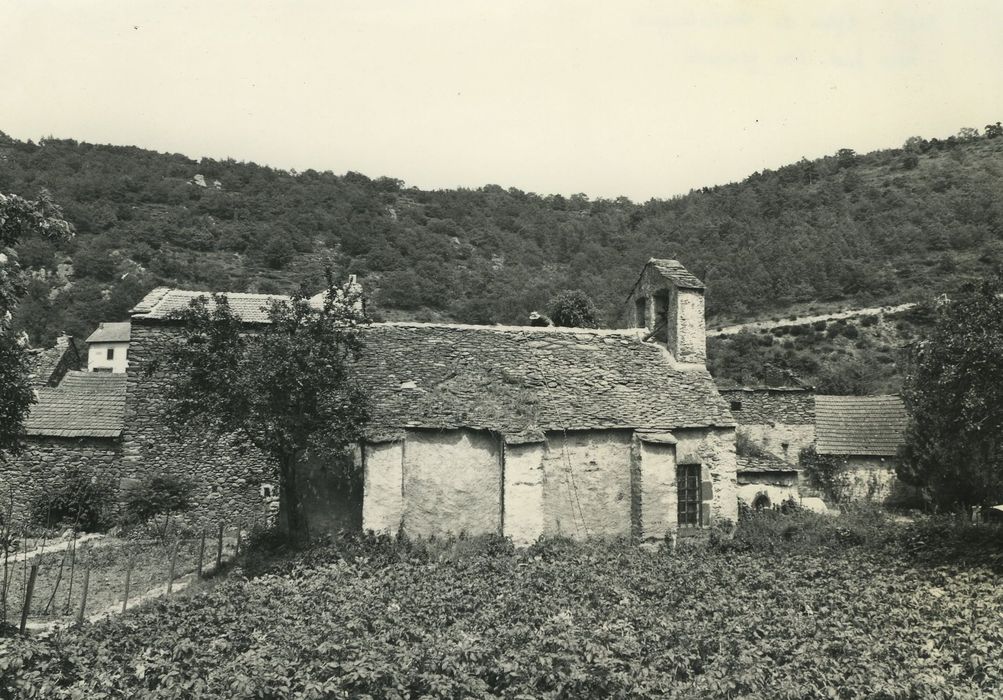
(520, 380)
(84, 404)
(859, 425)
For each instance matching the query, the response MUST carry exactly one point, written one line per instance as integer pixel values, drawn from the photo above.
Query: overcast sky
(644, 99)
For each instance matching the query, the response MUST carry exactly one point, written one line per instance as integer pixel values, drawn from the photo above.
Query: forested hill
(848, 229)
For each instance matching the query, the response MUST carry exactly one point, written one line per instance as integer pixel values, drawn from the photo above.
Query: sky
(632, 98)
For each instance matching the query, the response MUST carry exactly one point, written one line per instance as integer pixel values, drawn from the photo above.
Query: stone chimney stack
(668, 302)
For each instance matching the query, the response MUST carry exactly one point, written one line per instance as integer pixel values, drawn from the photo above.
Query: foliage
(19, 218)
(284, 387)
(746, 446)
(82, 499)
(850, 610)
(954, 395)
(573, 308)
(825, 473)
(155, 496)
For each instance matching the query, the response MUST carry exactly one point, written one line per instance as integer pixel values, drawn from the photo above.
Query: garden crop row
(786, 609)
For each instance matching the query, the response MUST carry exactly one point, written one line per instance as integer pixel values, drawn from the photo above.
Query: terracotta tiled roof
(85, 404)
(674, 270)
(859, 425)
(111, 333)
(748, 464)
(521, 379)
(162, 301)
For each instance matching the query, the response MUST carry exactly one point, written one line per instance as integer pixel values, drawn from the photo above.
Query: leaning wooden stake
(28, 592)
(201, 553)
(128, 580)
(174, 561)
(219, 548)
(83, 595)
(73, 563)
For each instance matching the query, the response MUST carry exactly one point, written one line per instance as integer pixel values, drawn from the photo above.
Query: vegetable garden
(794, 606)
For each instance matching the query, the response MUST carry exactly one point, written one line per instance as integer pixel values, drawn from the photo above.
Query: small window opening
(641, 312)
(689, 502)
(736, 405)
(111, 353)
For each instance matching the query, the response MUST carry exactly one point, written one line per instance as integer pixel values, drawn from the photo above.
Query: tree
(575, 308)
(19, 218)
(284, 388)
(954, 394)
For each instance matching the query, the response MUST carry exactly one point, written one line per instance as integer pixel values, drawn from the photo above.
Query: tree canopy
(954, 395)
(575, 308)
(19, 219)
(285, 387)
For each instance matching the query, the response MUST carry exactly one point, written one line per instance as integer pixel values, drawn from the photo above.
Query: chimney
(668, 302)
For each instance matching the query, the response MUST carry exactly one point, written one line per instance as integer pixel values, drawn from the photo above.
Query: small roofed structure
(864, 433)
(108, 347)
(49, 365)
(766, 481)
(668, 302)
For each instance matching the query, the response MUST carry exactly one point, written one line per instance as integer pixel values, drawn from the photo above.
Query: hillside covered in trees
(849, 229)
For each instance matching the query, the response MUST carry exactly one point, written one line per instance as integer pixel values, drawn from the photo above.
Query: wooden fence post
(28, 592)
(201, 553)
(174, 561)
(83, 595)
(128, 580)
(219, 548)
(73, 563)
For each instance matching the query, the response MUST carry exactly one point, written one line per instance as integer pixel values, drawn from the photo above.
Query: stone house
(48, 366)
(864, 434)
(76, 424)
(522, 431)
(781, 420)
(108, 348)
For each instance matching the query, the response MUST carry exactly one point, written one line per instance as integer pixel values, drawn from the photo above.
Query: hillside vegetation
(848, 229)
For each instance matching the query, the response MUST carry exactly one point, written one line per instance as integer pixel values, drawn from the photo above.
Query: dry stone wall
(231, 480)
(758, 406)
(45, 462)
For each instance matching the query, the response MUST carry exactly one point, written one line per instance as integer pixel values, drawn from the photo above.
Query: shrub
(79, 498)
(156, 496)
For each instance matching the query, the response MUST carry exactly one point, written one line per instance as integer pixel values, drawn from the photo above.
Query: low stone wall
(44, 463)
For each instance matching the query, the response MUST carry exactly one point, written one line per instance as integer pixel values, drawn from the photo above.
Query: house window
(736, 405)
(111, 353)
(689, 502)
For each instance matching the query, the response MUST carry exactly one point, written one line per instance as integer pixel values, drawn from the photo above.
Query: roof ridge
(624, 332)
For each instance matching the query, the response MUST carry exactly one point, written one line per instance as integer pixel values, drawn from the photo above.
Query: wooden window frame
(688, 494)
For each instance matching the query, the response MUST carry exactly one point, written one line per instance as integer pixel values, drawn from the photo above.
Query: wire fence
(59, 581)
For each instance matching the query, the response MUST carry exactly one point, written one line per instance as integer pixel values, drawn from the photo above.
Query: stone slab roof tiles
(85, 404)
(111, 333)
(47, 364)
(519, 380)
(161, 302)
(751, 464)
(859, 425)
(674, 270)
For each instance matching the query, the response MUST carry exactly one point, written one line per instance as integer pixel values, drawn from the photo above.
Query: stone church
(516, 430)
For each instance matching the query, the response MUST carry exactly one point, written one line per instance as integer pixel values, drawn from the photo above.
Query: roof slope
(111, 333)
(162, 301)
(85, 404)
(674, 270)
(520, 380)
(859, 425)
(764, 463)
(48, 365)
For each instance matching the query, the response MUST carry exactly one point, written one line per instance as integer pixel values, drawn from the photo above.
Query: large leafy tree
(285, 387)
(19, 218)
(954, 395)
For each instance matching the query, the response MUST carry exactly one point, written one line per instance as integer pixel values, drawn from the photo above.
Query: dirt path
(803, 320)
